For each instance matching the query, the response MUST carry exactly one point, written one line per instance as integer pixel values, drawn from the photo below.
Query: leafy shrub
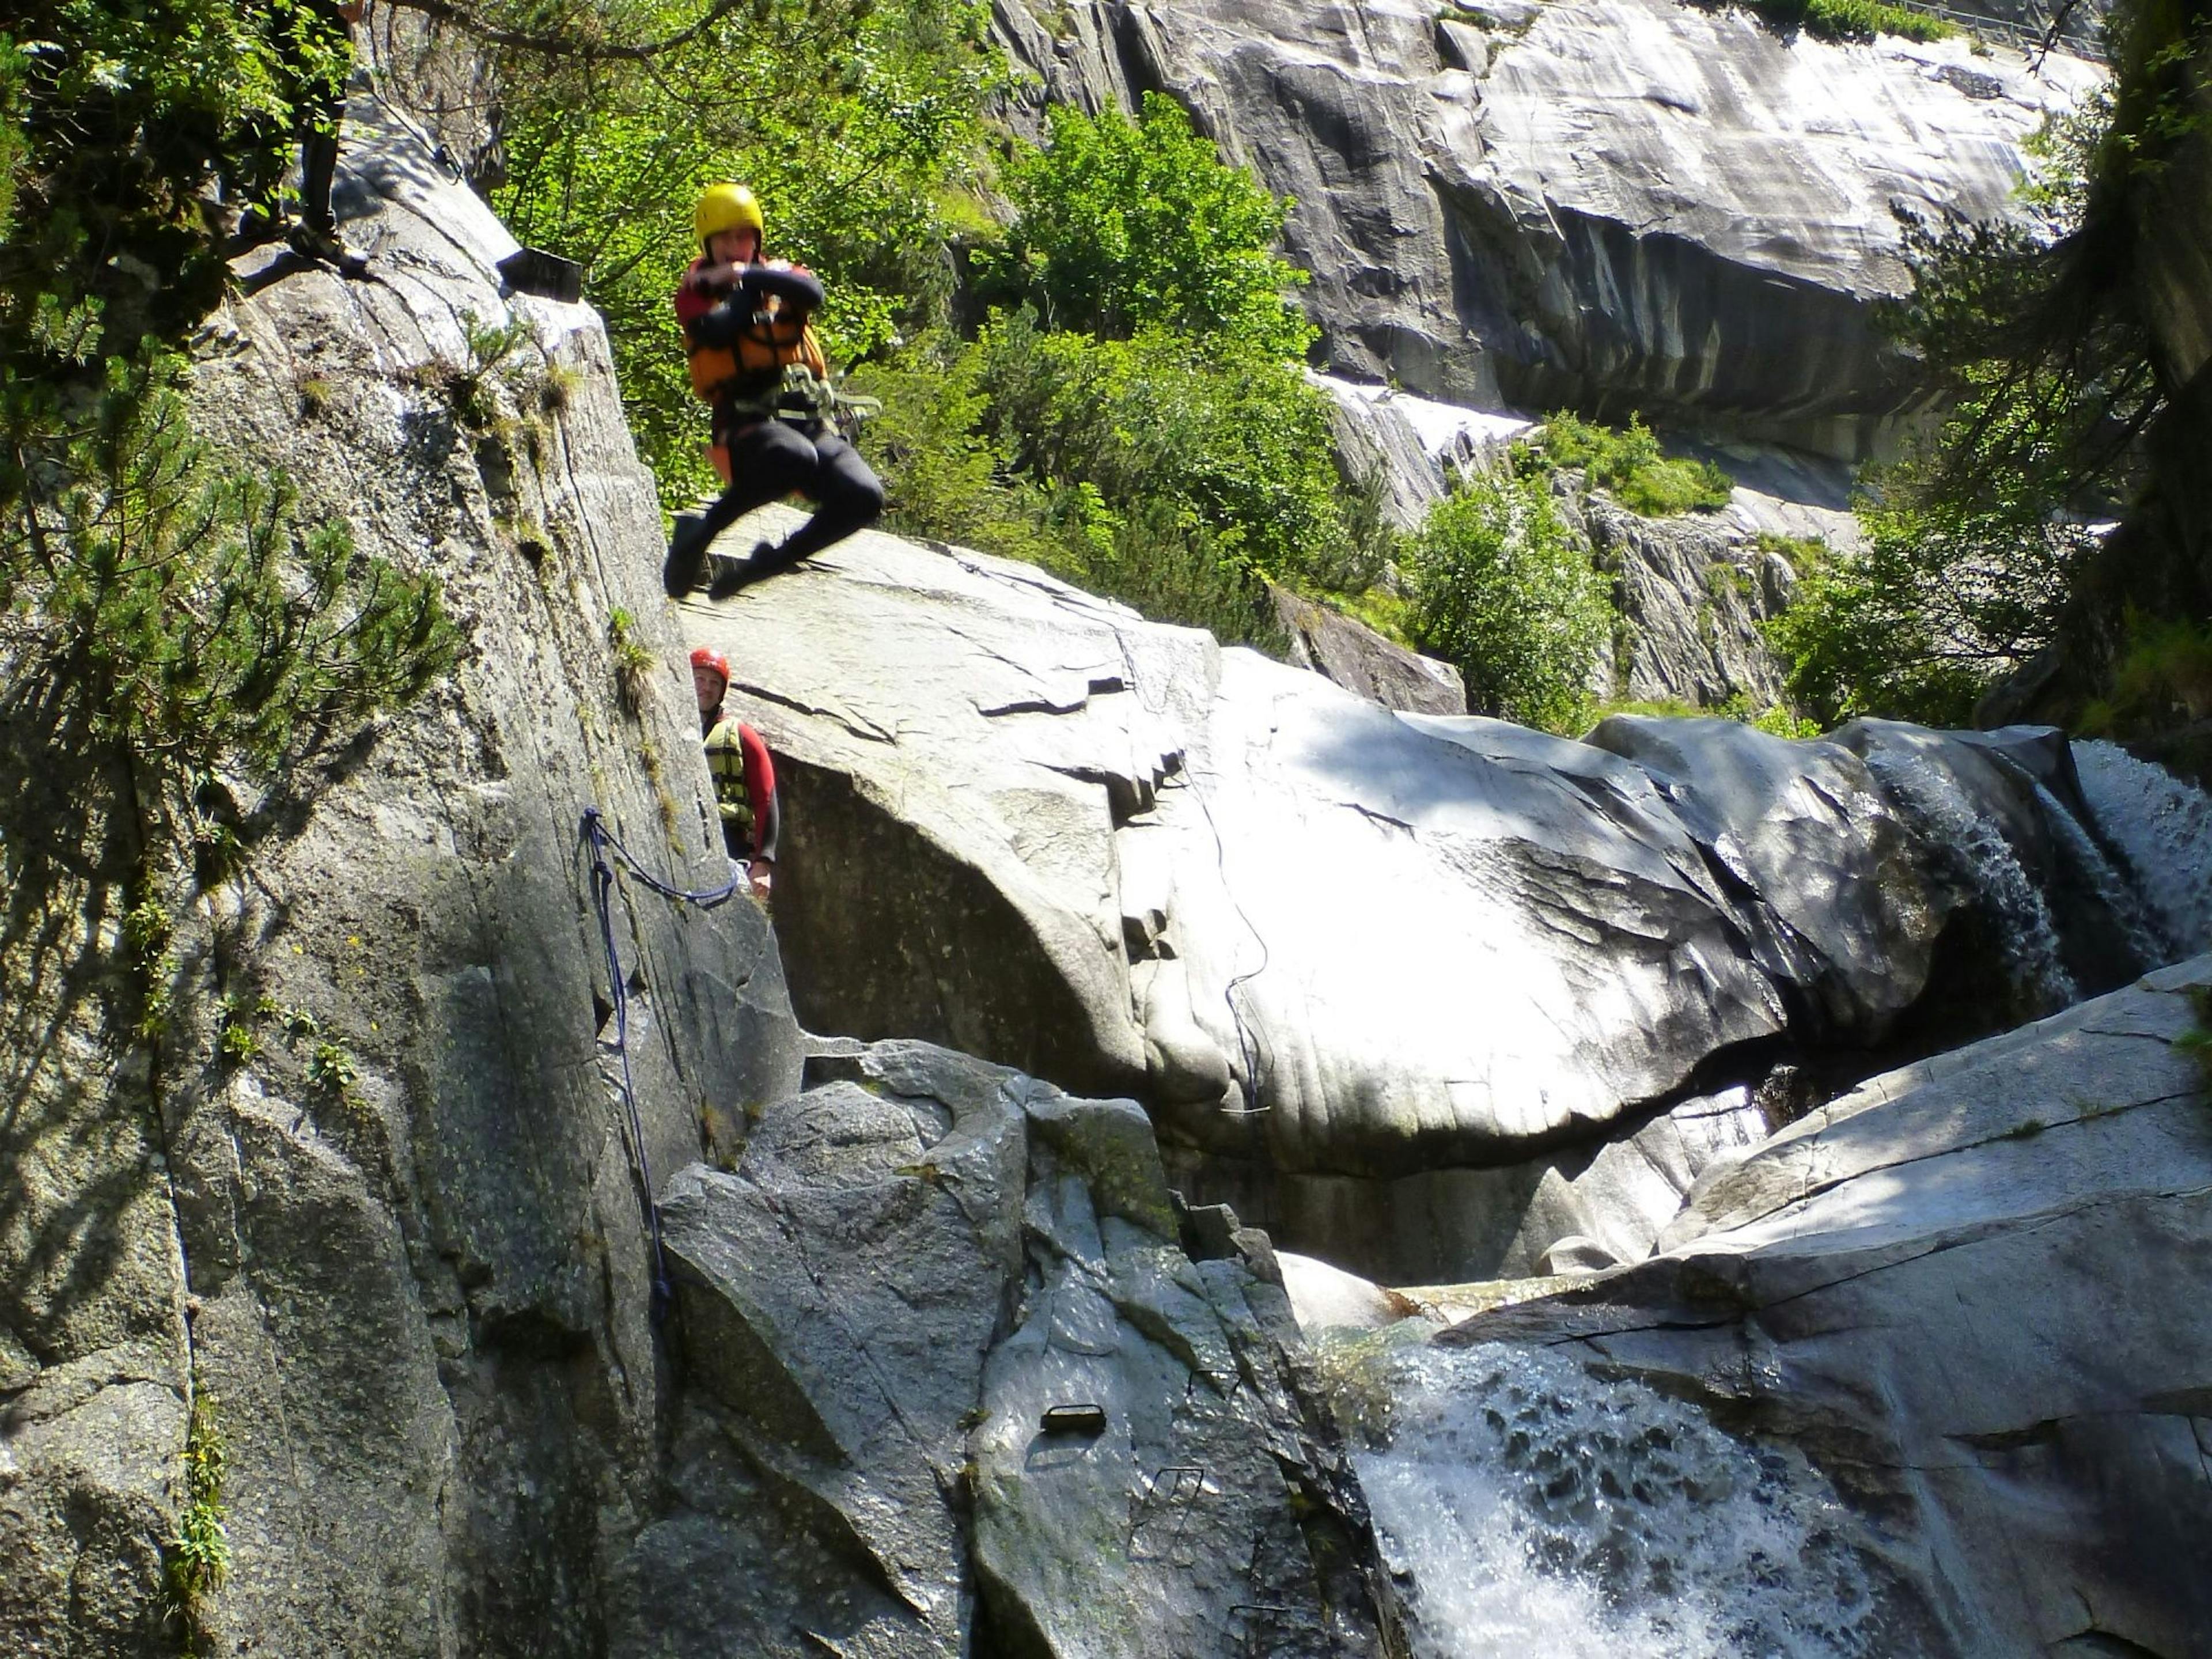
(1628, 465)
(1946, 596)
(1120, 226)
(1235, 439)
(2164, 679)
(943, 476)
(1500, 590)
(1088, 500)
(1851, 20)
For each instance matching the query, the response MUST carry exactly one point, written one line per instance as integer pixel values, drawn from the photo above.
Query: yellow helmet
(726, 207)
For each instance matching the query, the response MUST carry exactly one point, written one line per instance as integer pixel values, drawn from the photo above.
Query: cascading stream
(2163, 828)
(1959, 833)
(1537, 1510)
(2086, 861)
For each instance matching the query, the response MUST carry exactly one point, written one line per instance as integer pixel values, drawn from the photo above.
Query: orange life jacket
(773, 342)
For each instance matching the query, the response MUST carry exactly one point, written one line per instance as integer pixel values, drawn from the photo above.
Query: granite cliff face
(1613, 204)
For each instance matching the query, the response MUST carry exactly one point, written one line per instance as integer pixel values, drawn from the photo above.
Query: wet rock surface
(1953, 1289)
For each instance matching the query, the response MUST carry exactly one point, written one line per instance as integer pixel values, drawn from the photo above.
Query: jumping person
(744, 777)
(753, 357)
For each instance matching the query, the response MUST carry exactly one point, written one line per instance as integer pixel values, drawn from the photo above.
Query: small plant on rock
(634, 661)
(196, 1559)
(2196, 1042)
(331, 1070)
(1628, 465)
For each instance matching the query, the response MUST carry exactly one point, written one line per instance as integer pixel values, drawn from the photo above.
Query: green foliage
(1977, 543)
(942, 473)
(1499, 589)
(196, 1559)
(2164, 679)
(858, 123)
(1778, 719)
(1627, 462)
(1122, 226)
(1946, 596)
(1234, 439)
(331, 1069)
(181, 614)
(121, 117)
(2196, 1042)
(1851, 20)
(1082, 502)
(1806, 555)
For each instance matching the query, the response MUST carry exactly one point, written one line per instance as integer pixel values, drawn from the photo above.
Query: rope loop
(600, 841)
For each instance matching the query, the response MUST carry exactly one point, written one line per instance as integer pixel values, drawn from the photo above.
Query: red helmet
(706, 656)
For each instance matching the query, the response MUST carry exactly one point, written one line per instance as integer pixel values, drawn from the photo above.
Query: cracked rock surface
(1961, 1289)
(1385, 981)
(963, 1377)
(418, 1301)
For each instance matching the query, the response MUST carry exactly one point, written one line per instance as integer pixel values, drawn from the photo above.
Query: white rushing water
(1542, 1512)
(1960, 830)
(2163, 828)
(2087, 863)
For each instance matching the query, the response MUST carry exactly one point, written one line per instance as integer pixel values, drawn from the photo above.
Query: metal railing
(2079, 35)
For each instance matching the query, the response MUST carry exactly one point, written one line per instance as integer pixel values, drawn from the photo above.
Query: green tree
(1121, 225)
(1233, 436)
(1499, 589)
(1978, 543)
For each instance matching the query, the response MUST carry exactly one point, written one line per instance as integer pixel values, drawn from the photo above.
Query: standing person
(313, 58)
(744, 777)
(747, 328)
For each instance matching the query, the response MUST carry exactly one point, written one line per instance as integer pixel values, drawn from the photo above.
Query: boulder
(1953, 1290)
(1604, 203)
(1303, 927)
(1334, 949)
(1841, 911)
(1360, 659)
(960, 1373)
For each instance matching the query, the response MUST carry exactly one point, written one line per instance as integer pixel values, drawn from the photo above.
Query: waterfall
(2163, 828)
(1537, 1510)
(2088, 862)
(1960, 834)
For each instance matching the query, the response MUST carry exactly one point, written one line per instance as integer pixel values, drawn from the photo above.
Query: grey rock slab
(957, 873)
(1951, 1288)
(839, 1295)
(912, 1261)
(1166, 1491)
(1359, 658)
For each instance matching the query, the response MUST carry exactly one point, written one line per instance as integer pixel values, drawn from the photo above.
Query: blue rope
(602, 840)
